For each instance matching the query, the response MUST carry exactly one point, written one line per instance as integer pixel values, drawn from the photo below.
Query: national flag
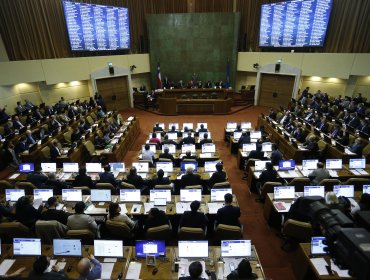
(159, 78)
(227, 74)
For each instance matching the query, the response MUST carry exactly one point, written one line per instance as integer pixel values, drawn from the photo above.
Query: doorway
(115, 92)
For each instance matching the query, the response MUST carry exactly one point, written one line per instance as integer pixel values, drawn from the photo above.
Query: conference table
(175, 106)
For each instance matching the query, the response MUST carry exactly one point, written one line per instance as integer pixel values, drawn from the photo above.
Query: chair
(90, 148)
(329, 183)
(189, 160)
(45, 152)
(204, 96)
(222, 185)
(86, 236)
(49, 230)
(195, 96)
(357, 182)
(295, 232)
(5, 185)
(184, 96)
(189, 233)
(322, 147)
(194, 187)
(227, 232)
(27, 186)
(85, 190)
(164, 160)
(125, 185)
(67, 135)
(105, 186)
(163, 187)
(118, 230)
(268, 187)
(299, 183)
(9, 230)
(162, 232)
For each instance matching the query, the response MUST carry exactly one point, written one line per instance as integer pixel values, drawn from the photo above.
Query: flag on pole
(159, 78)
(227, 74)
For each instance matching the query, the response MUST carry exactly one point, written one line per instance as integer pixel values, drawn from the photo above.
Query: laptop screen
(165, 166)
(71, 195)
(357, 163)
(284, 192)
(171, 148)
(160, 194)
(246, 125)
(186, 164)
(201, 135)
(14, 194)
(248, 147)
(189, 195)
(141, 166)
(193, 249)
(231, 125)
(67, 247)
(210, 166)
(266, 147)
(317, 245)
(117, 166)
(314, 191)
(256, 134)
(334, 164)
(208, 148)
(309, 164)
(237, 134)
(101, 195)
(129, 195)
(152, 148)
(176, 125)
(26, 246)
(172, 135)
(188, 125)
(236, 248)
(26, 167)
(108, 248)
(93, 167)
(366, 189)
(44, 194)
(150, 248)
(70, 167)
(259, 165)
(219, 194)
(287, 164)
(160, 201)
(48, 167)
(188, 147)
(344, 190)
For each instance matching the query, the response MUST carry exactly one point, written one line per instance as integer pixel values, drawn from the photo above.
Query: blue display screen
(297, 23)
(152, 248)
(97, 27)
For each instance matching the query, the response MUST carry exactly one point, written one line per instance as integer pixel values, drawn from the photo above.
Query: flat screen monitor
(165, 166)
(145, 248)
(287, 164)
(344, 190)
(219, 194)
(210, 166)
(71, 195)
(172, 135)
(246, 125)
(14, 194)
(26, 167)
(160, 202)
(188, 126)
(260, 165)
(317, 245)
(201, 135)
(70, 167)
(96, 27)
(129, 195)
(314, 191)
(205, 125)
(236, 248)
(101, 195)
(366, 189)
(291, 24)
(237, 134)
(160, 194)
(142, 167)
(248, 147)
(188, 147)
(193, 249)
(334, 164)
(284, 192)
(117, 166)
(67, 247)
(186, 164)
(176, 125)
(152, 147)
(256, 134)
(93, 167)
(108, 248)
(357, 163)
(189, 195)
(171, 148)
(208, 148)
(44, 194)
(48, 167)
(266, 147)
(26, 246)
(231, 125)
(309, 164)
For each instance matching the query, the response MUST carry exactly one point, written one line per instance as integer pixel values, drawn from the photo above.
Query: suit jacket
(168, 156)
(194, 220)
(156, 221)
(256, 154)
(107, 177)
(190, 180)
(82, 221)
(276, 156)
(228, 215)
(17, 125)
(27, 215)
(83, 180)
(54, 152)
(217, 177)
(188, 140)
(203, 141)
(136, 180)
(356, 148)
(48, 275)
(53, 214)
(37, 179)
(160, 181)
(20, 147)
(268, 176)
(30, 140)
(318, 175)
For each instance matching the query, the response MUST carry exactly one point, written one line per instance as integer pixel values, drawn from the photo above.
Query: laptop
(70, 167)
(171, 148)
(43, 194)
(188, 147)
(67, 247)
(219, 194)
(100, 195)
(366, 189)
(256, 134)
(344, 190)
(309, 164)
(314, 191)
(176, 125)
(152, 147)
(26, 246)
(160, 194)
(48, 167)
(71, 196)
(93, 167)
(26, 167)
(237, 135)
(260, 165)
(236, 248)
(157, 135)
(246, 125)
(231, 125)
(333, 164)
(141, 167)
(172, 135)
(286, 164)
(249, 147)
(117, 167)
(201, 135)
(186, 134)
(13, 195)
(108, 248)
(210, 166)
(193, 249)
(318, 246)
(357, 163)
(284, 192)
(185, 164)
(189, 195)
(188, 125)
(145, 248)
(165, 166)
(129, 195)
(266, 147)
(208, 148)
(160, 202)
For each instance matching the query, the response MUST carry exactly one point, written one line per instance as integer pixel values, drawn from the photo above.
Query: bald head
(83, 267)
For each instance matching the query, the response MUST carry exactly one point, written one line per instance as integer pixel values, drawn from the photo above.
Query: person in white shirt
(147, 154)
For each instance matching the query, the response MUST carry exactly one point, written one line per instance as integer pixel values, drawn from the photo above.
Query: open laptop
(145, 248)
(231, 125)
(117, 167)
(186, 134)
(237, 135)
(256, 134)
(314, 191)
(48, 167)
(26, 246)
(317, 246)
(286, 164)
(70, 167)
(246, 125)
(93, 167)
(236, 248)
(248, 147)
(333, 164)
(219, 194)
(188, 147)
(189, 195)
(210, 166)
(101, 195)
(165, 166)
(71, 196)
(308, 165)
(12, 195)
(366, 189)
(171, 148)
(152, 147)
(284, 192)
(43, 194)
(188, 125)
(160, 203)
(344, 190)
(208, 148)
(160, 194)
(185, 164)
(176, 125)
(357, 163)
(193, 249)
(266, 147)
(172, 135)
(142, 168)
(201, 135)
(67, 247)
(108, 248)
(26, 167)
(129, 195)
(260, 165)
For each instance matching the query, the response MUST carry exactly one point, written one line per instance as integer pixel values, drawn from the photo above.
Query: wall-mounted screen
(297, 23)
(97, 27)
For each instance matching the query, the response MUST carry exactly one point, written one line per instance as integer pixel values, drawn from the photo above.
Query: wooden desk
(173, 106)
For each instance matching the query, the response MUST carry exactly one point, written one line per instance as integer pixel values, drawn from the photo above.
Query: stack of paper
(123, 208)
(133, 270)
(5, 265)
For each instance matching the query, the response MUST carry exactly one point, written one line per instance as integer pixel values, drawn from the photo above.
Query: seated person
(168, 141)
(188, 155)
(217, 177)
(157, 128)
(313, 150)
(276, 155)
(17, 123)
(173, 130)
(21, 145)
(160, 179)
(30, 138)
(188, 139)
(147, 154)
(319, 174)
(107, 176)
(55, 184)
(268, 175)
(89, 268)
(82, 179)
(166, 154)
(53, 214)
(76, 135)
(54, 150)
(116, 216)
(195, 272)
(40, 270)
(344, 139)
(257, 154)
(80, 220)
(205, 139)
(244, 271)
(202, 128)
(155, 218)
(25, 213)
(190, 179)
(134, 179)
(356, 147)
(363, 205)
(155, 140)
(37, 177)
(193, 218)
(100, 113)
(229, 214)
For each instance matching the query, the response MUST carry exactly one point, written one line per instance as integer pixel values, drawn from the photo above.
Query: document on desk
(359, 172)
(133, 271)
(136, 208)
(106, 270)
(181, 207)
(348, 152)
(333, 173)
(288, 174)
(123, 208)
(91, 209)
(184, 268)
(148, 206)
(5, 265)
(282, 206)
(205, 155)
(214, 206)
(340, 272)
(52, 262)
(320, 265)
(14, 176)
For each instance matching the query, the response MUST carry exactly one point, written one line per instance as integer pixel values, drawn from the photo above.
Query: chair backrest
(105, 186)
(125, 185)
(45, 152)
(299, 183)
(163, 187)
(14, 229)
(165, 159)
(118, 230)
(189, 233)
(162, 232)
(27, 186)
(221, 185)
(366, 150)
(227, 232)
(67, 135)
(329, 183)
(86, 236)
(357, 182)
(90, 147)
(268, 187)
(189, 160)
(85, 190)
(300, 231)
(49, 230)
(194, 187)
(5, 185)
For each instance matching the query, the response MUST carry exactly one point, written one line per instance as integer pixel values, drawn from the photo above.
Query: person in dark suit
(37, 177)
(356, 147)
(107, 177)
(16, 123)
(21, 145)
(173, 130)
(229, 214)
(312, 147)
(244, 139)
(53, 214)
(157, 128)
(53, 123)
(323, 126)
(299, 134)
(168, 141)
(40, 271)
(193, 218)
(20, 108)
(268, 175)
(136, 180)
(3, 115)
(76, 135)
(188, 155)
(355, 121)
(55, 184)
(202, 128)
(30, 139)
(54, 150)
(272, 114)
(166, 154)
(155, 218)
(188, 139)
(217, 177)
(276, 155)
(257, 154)
(243, 271)
(190, 179)
(195, 272)
(82, 179)
(160, 179)
(344, 140)
(364, 127)
(25, 213)
(336, 132)
(37, 114)
(205, 139)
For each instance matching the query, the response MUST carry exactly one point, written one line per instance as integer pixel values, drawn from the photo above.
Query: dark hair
(205, 135)
(80, 207)
(244, 269)
(147, 147)
(133, 170)
(274, 146)
(269, 166)
(219, 166)
(160, 173)
(52, 200)
(195, 269)
(320, 165)
(107, 168)
(194, 206)
(154, 135)
(228, 198)
(113, 210)
(40, 265)
(259, 147)
(22, 202)
(166, 150)
(82, 171)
